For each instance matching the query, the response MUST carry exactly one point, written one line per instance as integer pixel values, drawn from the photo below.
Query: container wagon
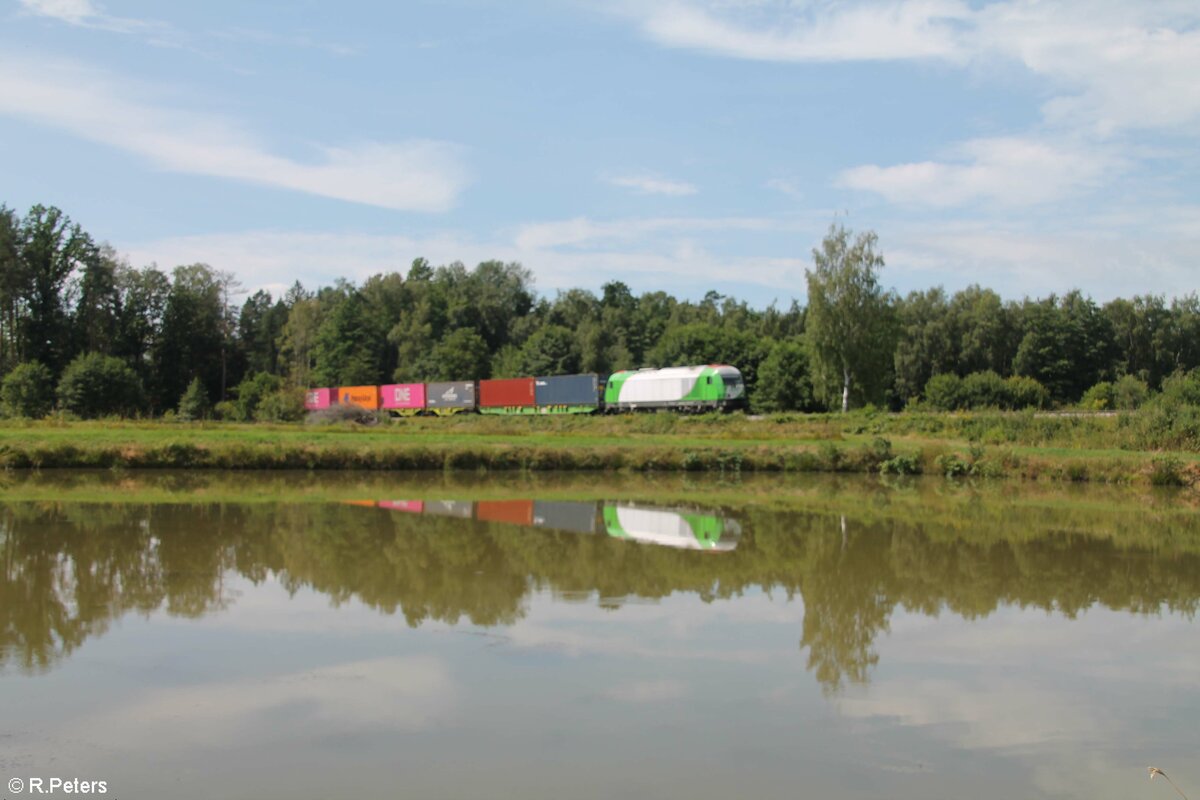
(317, 399)
(403, 399)
(452, 397)
(507, 396)
(567, 394)
(362, 396)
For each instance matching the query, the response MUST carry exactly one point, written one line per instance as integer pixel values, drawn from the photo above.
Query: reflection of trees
(70, 569)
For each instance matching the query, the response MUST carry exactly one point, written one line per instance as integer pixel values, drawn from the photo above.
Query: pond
(556, 636)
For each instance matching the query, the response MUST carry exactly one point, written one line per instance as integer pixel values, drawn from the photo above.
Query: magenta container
(316, 399)
(407, 506)
(403, 395)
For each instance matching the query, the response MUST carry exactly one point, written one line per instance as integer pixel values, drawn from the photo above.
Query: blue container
(567, 391)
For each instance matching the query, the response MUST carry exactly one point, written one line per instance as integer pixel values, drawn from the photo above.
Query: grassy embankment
(1111, 449)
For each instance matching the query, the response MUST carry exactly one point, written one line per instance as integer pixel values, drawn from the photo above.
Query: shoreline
(946, 445)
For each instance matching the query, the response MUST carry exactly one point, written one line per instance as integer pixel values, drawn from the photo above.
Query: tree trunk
(845, 390)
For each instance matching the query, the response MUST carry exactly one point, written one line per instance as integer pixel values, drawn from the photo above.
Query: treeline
(83, 331)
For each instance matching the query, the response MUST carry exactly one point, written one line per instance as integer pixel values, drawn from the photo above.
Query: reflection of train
(685, 529)
(677, 388)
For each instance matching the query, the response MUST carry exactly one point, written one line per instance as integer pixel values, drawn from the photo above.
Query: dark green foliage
(982, 390)
(95, 385)
(552, 350)
(27, 391)
(194, 402)
(1130, 393)
(944, 392)
(462, 355)
(285, 404)
(251, 392)
(62, 295)
(784, 383)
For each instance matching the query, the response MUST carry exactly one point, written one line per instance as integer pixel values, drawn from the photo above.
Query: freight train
(682, 529)
(702, 388)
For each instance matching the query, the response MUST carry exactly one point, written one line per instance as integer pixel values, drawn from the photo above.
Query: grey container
(454, 394)
(450, 508)
(562, 515)
(567, 390)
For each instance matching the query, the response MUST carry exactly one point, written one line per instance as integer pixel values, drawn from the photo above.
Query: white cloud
(1112, 64)
(785, 186)
(893, 30)
(1006, 170)
(414, 175)
(1018, 259)
(666, 253)
(82, 13)
(650, 184)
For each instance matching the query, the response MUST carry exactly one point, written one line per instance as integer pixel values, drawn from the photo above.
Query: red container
(515, 512)
(409, 506)
(402, 396)
(316, 399)
(362, 396)
(508, 392)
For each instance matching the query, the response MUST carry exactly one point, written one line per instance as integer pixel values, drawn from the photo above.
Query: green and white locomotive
(716, 386)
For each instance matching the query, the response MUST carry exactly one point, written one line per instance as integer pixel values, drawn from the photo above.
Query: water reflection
(71, 569)
(681, 528)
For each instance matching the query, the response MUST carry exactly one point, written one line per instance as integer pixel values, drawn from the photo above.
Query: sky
(1031, 146)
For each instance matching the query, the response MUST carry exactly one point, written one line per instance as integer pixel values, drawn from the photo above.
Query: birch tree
(849, 329)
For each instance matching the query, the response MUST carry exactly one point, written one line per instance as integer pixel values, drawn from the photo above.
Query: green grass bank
(1092, 448)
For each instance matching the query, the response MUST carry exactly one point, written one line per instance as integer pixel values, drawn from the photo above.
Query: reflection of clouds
(980, 713)
(1100, 643)
(387, 694)
(648, 691)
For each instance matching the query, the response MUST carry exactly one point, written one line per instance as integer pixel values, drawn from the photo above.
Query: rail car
(699, 388)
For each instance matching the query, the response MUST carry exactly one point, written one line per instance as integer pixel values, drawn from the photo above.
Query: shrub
(984, 390)
(95, 385)
(1130, 393)
(1099, 398)
(252, 391)
(283, 405)
(944, 392)
(341, 413)
(27, 391)
(1025, 392)
(1181, 389)
(193, 404)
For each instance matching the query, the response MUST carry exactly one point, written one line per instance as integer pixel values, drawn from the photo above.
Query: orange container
(517, 512)
(361, 396)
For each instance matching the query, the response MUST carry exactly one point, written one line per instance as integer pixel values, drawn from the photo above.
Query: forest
(83, 332)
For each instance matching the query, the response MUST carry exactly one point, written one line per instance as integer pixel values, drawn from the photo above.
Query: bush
(944, 392)
(1025, 392)
(95, 385)
(252, 391)
(1099, 398)
(27, 391)
(985, 390)
(1181, 389)
(341, 413)
(1130, 393)
(284, 405)
(194, 402)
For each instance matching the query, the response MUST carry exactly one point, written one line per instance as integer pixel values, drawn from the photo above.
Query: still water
(557, 637)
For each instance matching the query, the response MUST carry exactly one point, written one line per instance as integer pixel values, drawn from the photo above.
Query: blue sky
(684, 145)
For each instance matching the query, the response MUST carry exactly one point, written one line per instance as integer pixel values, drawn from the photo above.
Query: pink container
(316, 399)
(403, 395)
(409, 506)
